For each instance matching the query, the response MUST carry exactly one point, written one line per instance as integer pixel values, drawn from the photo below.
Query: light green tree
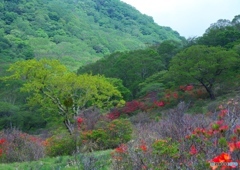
(204, 65)
(51, 85)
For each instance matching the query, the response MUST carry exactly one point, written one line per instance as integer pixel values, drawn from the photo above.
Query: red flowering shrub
(186, 88)
(120, 157)
(2, 149)
(122, 148)
(143, 146)
(222, 159)
(17, 146)
(193, 150)
(88, 118)
(133, 106)
(114, 114)
(159, 103)
(129, 109)
(201, 140)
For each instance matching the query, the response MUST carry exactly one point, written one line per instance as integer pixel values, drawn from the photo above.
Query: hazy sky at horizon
(188, 17)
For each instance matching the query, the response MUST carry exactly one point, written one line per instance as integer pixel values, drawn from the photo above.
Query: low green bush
(113, 134)
(59, 145)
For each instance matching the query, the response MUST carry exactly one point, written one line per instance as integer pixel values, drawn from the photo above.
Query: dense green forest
(134, 67)
(134, 80)
(75, 32)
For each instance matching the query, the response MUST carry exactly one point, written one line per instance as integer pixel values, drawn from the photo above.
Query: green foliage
(123, 90)
(59, 145)
(97, 160)
(222, 33)
(51, 86)
(131, 67)
(119, 131)
(167, 49)
(154, 83)
(14, 116)
(166, 148)
(113, 134)
(82, 30)
(204, 65)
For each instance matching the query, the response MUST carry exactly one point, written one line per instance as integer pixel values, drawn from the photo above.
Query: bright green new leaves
(204, 65)
(51, 85)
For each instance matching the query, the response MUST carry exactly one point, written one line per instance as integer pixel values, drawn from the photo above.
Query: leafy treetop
(51, 85)
(204, 65)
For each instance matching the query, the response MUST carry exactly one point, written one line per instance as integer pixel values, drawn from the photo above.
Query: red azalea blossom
(223, 113)
(223, 128)
(234, 138)
(113, 115)
(121, 149)
(223, 157)
(193, 150)
(189, 88)
(237, 129)
(2, 141)
(186, 88)
(220, 122)
(175, 95)
(133, 106)
(143, 146)
(168, 95)
(233, 146)
(160, 103)
(79, 120)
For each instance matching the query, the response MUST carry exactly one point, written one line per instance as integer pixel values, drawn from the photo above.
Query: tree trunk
(211, 94)
(209, 90)
(69, 126)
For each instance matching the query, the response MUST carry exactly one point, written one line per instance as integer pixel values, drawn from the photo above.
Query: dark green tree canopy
(131, 67)
(203, 65)
(222, 33)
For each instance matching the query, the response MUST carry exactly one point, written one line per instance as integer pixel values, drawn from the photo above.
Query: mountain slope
(75, 31)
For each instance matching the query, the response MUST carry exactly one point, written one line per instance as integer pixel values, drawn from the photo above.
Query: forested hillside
(152, 100)
(74, 31)
(136, 67)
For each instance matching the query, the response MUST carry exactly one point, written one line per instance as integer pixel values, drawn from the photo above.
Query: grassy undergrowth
(89, 161)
